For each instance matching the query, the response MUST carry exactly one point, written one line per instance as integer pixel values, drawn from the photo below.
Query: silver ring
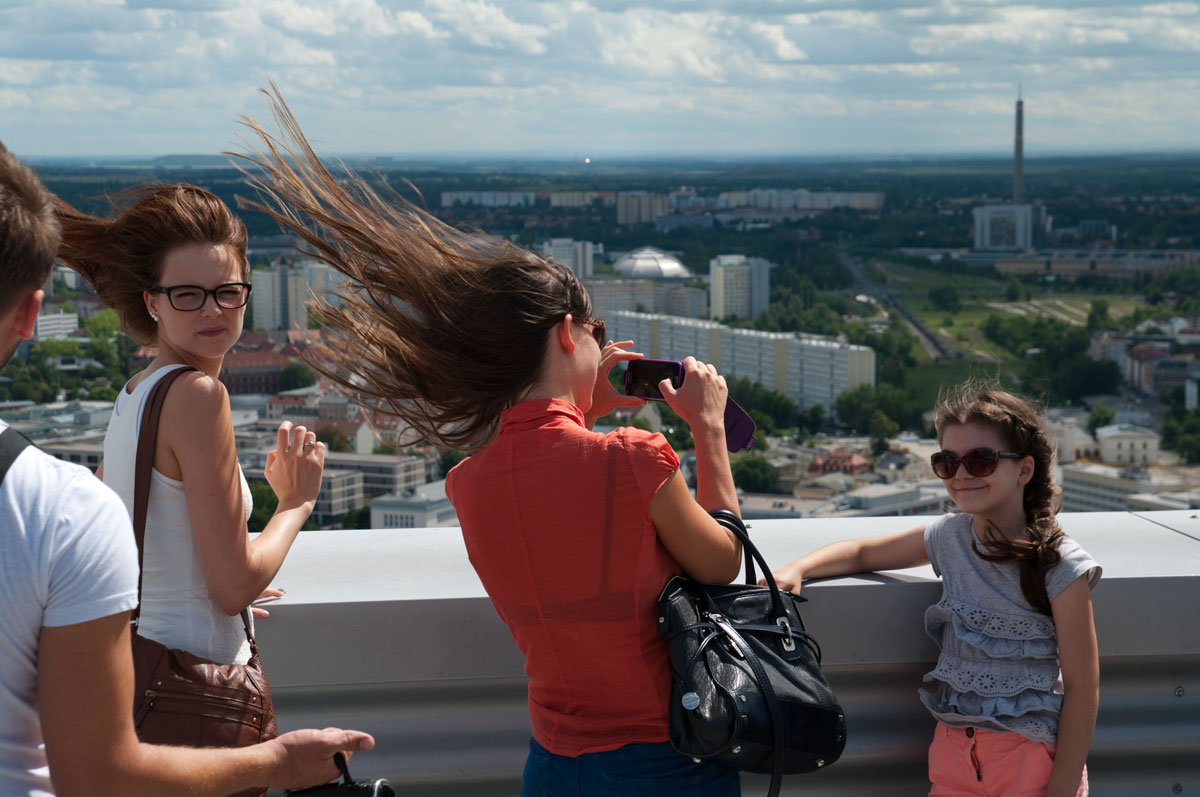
(313, 444)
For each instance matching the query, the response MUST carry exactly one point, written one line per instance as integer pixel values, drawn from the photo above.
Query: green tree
(296, 375)
(1012, 290)
(333, 438)
(103, 325)
(812, 420)
(881, 428)
(755, 474)
(1100, 415)
(358, 518)
(265, 503)
(1098, 317)
(945, 297)
(448, 460)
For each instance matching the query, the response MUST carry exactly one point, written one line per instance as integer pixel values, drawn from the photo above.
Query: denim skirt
(635, 770)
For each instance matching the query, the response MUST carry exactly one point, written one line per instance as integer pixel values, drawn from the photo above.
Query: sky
(585, 78)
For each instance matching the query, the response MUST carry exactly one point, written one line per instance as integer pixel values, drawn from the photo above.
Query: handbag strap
(763, 682)
(736, 525)
(12, 443)
(143, 465)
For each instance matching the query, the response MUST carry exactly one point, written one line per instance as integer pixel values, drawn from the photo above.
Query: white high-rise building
(52, 324)
(279, 298)
(578, 256)
(740, 286)
(324, 281)
(809, 370)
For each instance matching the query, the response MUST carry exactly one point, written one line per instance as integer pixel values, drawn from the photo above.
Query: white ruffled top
(998, 667)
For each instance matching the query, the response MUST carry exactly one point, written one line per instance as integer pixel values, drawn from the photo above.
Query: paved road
(928, 340)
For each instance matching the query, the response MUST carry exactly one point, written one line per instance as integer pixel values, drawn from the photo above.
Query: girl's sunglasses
(977, 461)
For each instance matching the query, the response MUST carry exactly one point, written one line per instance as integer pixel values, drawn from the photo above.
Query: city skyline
(522, 78)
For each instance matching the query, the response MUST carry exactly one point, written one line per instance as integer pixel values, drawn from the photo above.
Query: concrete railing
(390, 631)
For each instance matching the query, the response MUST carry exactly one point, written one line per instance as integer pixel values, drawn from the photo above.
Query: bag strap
(12, 443)
(763, 681)
(736, 525)
(143, 465)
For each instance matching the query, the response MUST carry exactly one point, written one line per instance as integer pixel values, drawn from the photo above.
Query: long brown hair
(123, 256)
(1021, 426)
(439, 327)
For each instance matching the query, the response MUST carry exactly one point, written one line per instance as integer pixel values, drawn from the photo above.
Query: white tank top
(176, 608)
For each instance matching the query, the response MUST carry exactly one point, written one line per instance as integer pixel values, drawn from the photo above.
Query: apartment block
(422, 507)
(279, 299)
(739, 285)
(809, 370)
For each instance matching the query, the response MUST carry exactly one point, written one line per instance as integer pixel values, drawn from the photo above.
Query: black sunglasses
(186, 298)
(598, 332)
(977, 461)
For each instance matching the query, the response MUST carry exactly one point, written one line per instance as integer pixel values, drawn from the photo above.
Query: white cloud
(488, 25)
(373, 75)
(774, 36)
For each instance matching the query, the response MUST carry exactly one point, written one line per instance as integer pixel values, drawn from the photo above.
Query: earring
(152, 315)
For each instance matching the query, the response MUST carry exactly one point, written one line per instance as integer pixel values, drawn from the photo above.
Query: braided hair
(1023, 429)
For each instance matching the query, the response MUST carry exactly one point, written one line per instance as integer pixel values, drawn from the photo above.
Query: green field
(925, 382)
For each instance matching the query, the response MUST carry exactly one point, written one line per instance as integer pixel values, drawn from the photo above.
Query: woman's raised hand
(294, 466)
(700, 400)
(605, 397)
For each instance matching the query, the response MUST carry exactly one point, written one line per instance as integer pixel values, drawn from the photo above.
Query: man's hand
(306, 757)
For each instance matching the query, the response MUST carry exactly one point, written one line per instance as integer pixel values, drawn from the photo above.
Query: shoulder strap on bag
(12, 443)
(144, 464)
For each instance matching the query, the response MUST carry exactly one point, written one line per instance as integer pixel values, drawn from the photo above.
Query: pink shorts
(976, 761)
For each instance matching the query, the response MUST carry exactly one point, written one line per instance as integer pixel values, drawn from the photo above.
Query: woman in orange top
(480, 345)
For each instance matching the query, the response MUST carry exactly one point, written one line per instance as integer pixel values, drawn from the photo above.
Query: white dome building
(651, 264)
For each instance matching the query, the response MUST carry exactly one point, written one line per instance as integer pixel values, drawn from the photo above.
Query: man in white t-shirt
(68, 579)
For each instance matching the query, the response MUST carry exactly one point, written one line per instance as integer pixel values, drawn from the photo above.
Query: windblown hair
(1021, 426)
(440, 328)
(123, 257)
(28, 231)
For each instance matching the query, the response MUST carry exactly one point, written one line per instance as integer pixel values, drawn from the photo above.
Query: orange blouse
(557, 525)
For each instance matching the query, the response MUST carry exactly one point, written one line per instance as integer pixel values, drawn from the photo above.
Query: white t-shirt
(67, 556)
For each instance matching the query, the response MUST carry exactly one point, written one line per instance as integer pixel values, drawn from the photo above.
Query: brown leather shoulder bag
(180, 698)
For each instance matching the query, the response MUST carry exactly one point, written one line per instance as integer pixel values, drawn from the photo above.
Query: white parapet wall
(390, 631)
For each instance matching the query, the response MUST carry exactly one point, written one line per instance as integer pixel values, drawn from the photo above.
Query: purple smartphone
(642, 378)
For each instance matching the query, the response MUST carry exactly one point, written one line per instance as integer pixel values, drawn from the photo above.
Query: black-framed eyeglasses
(598, 332)
(977, 461)
(186, 298)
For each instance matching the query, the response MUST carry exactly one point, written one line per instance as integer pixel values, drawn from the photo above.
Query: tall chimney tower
(1019, 154)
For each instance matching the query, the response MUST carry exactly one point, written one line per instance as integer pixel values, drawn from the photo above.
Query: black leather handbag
(747, 687)
(348, 786)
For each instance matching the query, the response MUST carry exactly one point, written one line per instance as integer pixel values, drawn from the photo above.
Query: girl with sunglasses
(1016, 686)
(172, 263)
(482, 346)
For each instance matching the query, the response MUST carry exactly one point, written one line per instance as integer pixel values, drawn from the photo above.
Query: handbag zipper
(151, 695)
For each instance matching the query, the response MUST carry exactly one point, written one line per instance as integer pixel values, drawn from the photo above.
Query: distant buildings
(575, 255)
(1105, 488)
(279, 299)
(55, 324)
(418, 508)
(1125, 443)
(739, 285)
(640, 207)
(1118, 264)
(488, 199)
(646, 296)
(809, 370)
(651, 263)
(1003, 227)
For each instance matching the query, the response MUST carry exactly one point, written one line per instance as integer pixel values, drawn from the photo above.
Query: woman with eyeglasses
(173, 265)
(480, 345)
(1016, 686)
